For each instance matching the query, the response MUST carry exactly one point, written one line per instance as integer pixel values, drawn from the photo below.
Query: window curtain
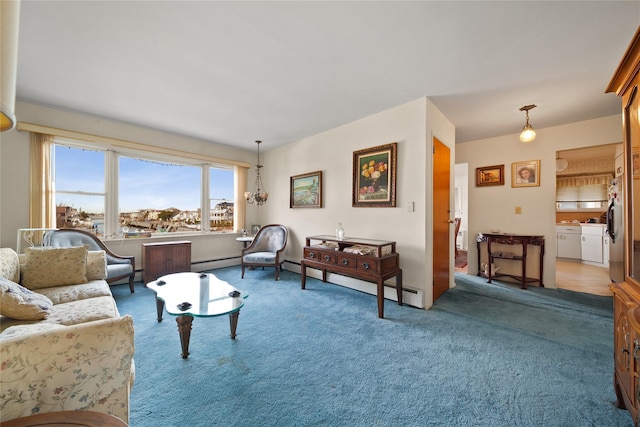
(42, 211)
(240, 210)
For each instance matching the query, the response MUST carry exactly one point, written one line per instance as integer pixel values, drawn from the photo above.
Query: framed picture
(306, 190)
(255, 228)
(525, 174)
(374, 176)
(490, 175)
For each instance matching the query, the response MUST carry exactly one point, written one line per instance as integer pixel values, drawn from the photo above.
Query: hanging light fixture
(561, 164)
(528, 134)
(258, 197)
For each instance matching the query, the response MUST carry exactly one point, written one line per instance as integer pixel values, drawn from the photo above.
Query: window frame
(111, 196)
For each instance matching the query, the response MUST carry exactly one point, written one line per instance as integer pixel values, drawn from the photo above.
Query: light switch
(518, 210)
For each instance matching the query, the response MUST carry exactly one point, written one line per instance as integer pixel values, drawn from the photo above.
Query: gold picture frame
(490, 175)
(525, 174)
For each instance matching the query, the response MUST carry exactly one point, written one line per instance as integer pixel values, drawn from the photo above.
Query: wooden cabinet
(365, 259)
(159, 259)
(626, 295)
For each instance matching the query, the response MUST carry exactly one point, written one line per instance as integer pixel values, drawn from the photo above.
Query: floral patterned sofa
(63, 344)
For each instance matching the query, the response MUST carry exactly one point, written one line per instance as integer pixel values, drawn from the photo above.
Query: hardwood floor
(577, 277)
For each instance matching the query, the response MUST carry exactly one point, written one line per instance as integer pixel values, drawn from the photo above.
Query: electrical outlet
(411, 206)
(518, 210)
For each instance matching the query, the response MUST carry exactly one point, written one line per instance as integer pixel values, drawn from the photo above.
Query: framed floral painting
(374, 176)
(306, 190)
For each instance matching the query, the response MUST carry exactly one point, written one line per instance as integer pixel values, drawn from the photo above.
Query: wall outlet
(411, 206)
(518, 210)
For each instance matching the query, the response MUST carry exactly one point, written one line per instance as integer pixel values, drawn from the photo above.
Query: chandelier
(258, 197)
(528, 134)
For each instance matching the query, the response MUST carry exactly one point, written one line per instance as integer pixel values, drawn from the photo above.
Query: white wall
(411, 126)
(494, 207)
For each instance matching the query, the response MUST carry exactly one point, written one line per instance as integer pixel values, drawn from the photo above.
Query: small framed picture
(306, 190)
(255, 228)
(525, 174)
(490, 175)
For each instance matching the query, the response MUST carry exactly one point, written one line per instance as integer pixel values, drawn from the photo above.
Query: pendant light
(561, 164)
(258, 197)
(528, 134)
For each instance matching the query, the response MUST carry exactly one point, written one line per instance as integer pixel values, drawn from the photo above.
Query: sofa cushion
(47, 267)
(9, 264)
(82, 311)
(68, 293)
(96, 265)
(20, 303)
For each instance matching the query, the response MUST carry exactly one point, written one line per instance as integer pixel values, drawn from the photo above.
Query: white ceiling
(234, 72)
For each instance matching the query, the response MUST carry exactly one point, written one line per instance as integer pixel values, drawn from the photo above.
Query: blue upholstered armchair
(118, 267)
(266, 249)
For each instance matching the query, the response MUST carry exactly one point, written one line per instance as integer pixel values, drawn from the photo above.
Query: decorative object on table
(485, 269)
(306, 190)
(340, 232)
(255, 228)
(374, 176)
(244, 232)
(490, 175)
(525, 174)
(528, 134)
(258, 197)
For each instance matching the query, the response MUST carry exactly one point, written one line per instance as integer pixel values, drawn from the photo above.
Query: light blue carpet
(484, 355)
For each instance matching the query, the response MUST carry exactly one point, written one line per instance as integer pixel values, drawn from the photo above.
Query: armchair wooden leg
(131, 283)
(242, 277)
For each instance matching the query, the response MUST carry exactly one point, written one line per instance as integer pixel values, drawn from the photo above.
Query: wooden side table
(67, 419)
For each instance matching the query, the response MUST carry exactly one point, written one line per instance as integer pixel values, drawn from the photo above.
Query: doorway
(582, 180)
(442, 221)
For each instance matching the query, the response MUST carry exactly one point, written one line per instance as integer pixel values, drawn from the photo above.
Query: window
(79, 186)
(135, 193)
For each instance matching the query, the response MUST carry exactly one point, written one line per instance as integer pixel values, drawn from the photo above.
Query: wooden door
(441, 217)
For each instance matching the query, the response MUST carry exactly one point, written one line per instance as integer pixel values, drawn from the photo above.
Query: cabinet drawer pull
(345, 261)
(311, 255)
(365, 265)
(327, 258)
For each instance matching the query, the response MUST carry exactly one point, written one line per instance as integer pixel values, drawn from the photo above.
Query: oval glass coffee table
(203, 295)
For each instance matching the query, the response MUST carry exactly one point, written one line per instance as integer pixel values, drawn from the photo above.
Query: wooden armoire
(626, 295)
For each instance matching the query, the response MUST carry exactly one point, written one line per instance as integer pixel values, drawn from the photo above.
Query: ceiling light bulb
(528, 134)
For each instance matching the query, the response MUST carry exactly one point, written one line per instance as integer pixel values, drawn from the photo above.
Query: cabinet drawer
(326, 257)
(347, 261)
(369, 265)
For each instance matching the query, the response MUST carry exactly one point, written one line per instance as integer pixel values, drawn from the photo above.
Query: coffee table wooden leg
(233, 322)
(159, 308)
(184, 327)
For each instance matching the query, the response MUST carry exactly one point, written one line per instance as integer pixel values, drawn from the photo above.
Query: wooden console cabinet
(159, 259)
(626, 295)
(365, 259)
